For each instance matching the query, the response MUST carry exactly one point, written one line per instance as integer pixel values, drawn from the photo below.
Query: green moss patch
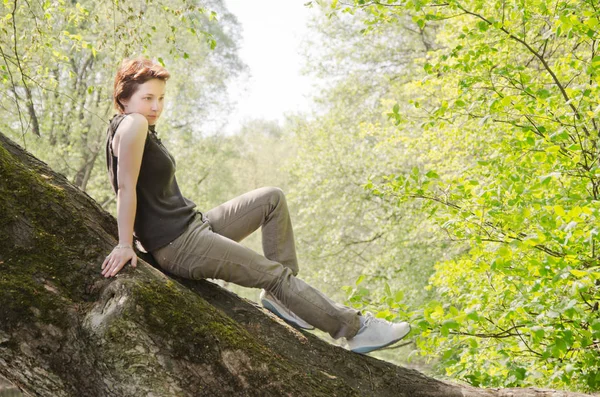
(190, 323)
(41, 245)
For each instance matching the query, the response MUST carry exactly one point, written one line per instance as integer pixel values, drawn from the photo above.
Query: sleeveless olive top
(162, 212)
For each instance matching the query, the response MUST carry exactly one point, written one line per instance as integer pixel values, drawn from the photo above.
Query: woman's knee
(275, 194)
(279, 279)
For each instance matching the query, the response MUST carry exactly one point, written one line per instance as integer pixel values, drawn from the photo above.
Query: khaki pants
(209, 248)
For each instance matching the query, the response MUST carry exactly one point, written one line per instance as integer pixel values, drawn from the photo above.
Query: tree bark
(67, 331)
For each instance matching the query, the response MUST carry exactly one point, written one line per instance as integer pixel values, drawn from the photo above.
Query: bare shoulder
(133, 123)
(131, 134)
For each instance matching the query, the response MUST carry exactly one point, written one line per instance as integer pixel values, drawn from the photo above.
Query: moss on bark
(42, 249)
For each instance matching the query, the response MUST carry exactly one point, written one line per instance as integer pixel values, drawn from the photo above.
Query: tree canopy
(502, 128)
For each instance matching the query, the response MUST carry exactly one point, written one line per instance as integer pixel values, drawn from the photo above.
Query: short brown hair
(131, 74)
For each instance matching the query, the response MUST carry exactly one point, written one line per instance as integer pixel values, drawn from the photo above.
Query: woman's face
(148, 100)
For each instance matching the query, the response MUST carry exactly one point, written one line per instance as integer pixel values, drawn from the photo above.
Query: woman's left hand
(118, 258)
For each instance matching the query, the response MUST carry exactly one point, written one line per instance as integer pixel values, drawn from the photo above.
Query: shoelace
(369, 318)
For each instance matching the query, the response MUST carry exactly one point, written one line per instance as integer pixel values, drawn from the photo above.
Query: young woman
(199, 245)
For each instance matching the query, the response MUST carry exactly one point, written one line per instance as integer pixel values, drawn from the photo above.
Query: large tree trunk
(67, 331)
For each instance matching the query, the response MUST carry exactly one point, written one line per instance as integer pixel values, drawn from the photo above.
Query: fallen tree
(67, 331)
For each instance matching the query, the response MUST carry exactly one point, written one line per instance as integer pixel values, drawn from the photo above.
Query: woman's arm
(128, 146)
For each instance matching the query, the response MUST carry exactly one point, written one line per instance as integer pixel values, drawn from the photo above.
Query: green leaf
(578, 273)
(387, 289)
(432, 175)
(399, 296)
(519, 373)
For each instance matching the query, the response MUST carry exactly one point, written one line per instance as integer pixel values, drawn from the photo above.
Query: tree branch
(16, 97)
(499, 335)
(30, 108)
(517, 235)
(534, 52)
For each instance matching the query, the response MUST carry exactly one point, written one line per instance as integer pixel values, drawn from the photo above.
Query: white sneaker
(272, 304)
(377, 333)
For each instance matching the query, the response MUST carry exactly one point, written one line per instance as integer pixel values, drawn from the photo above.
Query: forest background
(449, 175)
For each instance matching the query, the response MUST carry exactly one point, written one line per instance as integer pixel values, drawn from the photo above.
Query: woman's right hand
(117, 259)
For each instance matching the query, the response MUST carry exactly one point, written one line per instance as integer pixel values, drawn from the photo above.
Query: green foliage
(343, 232)
(508, 150)
(255, 156)
(57, 65)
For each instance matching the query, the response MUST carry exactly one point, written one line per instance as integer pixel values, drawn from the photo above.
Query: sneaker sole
(368, 349)
(273, 310)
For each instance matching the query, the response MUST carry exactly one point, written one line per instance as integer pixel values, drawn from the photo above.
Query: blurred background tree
(58, 64)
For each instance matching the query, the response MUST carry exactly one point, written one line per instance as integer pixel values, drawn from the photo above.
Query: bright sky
(272, 31)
